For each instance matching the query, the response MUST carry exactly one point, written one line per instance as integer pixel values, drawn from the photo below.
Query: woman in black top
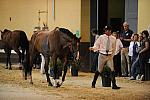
(144, 53)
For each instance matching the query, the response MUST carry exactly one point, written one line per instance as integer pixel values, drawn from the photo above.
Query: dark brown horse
(14, 40)
(54, 44)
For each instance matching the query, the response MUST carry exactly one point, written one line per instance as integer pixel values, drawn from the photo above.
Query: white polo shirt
(131, 47)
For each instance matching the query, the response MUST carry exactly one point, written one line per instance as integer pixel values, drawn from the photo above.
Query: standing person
(133, 47)
(117, 57)
(144, 53)
(125, 38)
(105, 45)
(133, 52)
(95, 54)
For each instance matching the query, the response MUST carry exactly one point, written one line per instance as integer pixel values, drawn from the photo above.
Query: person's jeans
(135, 68)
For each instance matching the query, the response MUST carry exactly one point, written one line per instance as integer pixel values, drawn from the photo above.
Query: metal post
(53, 9)
(97, 14)
(39, 18)
(47, 14)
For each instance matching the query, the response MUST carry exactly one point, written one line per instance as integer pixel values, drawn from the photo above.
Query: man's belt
(105, 54)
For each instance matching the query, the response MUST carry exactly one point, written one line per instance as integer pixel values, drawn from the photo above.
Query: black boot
(114, 86)
(95, 79)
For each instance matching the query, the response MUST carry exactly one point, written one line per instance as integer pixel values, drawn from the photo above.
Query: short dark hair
(145, 32)
(108, 27)
(135, 34)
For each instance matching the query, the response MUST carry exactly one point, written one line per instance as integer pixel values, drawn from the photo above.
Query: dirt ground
(13, 87)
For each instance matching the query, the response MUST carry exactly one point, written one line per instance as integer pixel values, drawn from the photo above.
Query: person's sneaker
(124, 75)
(138, 77)
(142, 78)
(132, 78)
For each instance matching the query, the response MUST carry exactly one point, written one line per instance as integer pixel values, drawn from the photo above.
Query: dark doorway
(99, 14)
(102, 14)
(105, 12)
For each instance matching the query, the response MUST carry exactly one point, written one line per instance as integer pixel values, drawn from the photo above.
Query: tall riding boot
(95, 78)
(114, 86)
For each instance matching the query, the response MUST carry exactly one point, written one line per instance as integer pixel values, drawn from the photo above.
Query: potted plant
(106, 77)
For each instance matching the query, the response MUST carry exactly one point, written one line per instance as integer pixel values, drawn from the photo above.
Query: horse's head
(70, 39)
(4, 33)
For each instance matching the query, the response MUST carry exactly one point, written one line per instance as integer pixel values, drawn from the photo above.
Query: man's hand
(121, 38)
(91, 48)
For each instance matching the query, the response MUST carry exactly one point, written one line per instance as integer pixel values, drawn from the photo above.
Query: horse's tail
(24, 43)
(24, 40)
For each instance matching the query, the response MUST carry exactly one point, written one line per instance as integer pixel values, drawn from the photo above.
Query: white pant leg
(42, 65)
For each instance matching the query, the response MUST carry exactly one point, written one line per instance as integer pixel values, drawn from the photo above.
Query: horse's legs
(19, 53)
(7, 57)
(8, 52)
(28, 69)
(56, 74)
(65, 69)
(46, 70)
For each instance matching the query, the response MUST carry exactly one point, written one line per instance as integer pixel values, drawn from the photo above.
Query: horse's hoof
(31, 82)
(6, 67)
(20, 68)
(26, 78)
(58, 85)
(50, 84)
(10, 68)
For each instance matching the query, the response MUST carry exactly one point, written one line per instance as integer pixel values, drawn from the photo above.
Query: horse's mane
(69, 33)
(6, 30)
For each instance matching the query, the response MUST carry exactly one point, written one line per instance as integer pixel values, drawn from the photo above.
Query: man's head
(107, 30)
(115, 34)
(125, 26)
(135, 37)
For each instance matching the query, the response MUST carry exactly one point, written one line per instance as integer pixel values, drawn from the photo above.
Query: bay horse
(53, 44)
(14, 40)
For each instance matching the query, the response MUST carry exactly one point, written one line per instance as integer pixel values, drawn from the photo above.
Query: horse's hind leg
(19, 53)
(65, 69)
(46, 71)
(8, 59)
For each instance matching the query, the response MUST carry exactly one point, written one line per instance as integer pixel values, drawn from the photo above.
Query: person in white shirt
(117, 57)
(133, 43)
(105, 45)
(134, 52)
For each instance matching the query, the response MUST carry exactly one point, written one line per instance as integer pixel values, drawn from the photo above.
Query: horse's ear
(79, 38)
(56, 29)
(6, 30)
